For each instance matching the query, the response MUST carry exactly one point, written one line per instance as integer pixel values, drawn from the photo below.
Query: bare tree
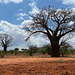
(5, 41)
(64, 47)
(54, 24)
(65, 44)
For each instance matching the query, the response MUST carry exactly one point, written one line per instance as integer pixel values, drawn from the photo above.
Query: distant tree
(11, 51)
(5, 41)
(48, 48)
(54, 23)
(45, 49)
(24, 50)
(16, 50)
(32, 49)
(64, 47)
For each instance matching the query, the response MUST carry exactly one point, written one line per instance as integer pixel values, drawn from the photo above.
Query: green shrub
(11, 51)
(2, 54)
(59, 62)
(16, 51)
(48, 48)
(72, 51)
(20, 52)
(32, 49)
(63, 51)
(43, 51)
(24, 50)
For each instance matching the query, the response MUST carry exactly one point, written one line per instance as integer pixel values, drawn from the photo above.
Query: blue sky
(15, 13)
(9, 11)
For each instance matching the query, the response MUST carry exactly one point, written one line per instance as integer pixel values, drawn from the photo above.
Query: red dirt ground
(37, 66)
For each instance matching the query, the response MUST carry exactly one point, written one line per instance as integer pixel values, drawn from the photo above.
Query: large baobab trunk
(55, 51)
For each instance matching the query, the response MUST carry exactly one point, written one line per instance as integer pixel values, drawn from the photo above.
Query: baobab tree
(5, 41)
(54, 23)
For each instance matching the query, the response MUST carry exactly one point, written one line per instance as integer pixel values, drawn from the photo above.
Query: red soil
(37, 66)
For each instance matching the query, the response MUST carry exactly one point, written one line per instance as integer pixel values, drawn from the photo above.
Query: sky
(16, 13)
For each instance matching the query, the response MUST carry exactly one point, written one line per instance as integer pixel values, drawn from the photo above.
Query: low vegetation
(59, 62)
(34, 51)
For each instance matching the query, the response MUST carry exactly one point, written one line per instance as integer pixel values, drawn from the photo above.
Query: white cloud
(26, 23)
(71, 23)
(72, 40)
(55, 0)
(33, 5)
(19, 35)
(16, 32)
(39, 40)
(20, 10)
(21, 16)
(8, 1)
(73, 10)
(69, 2)
(0, 1)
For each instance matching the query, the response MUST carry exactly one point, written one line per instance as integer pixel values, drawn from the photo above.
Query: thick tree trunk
(5, 49)
(55, 51)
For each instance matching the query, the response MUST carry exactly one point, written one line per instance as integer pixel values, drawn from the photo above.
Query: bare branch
(66, 32)
(34, 33)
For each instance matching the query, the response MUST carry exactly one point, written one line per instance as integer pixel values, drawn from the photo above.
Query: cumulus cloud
(8, 1)
(20, 10)
(69, 2)
(73, 10)
(39, 40)
(19, 35)
(16, 32)
(26, 23)
(21, 16)
(33, 5)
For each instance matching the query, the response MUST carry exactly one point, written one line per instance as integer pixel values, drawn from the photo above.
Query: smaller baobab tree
(5, 41)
